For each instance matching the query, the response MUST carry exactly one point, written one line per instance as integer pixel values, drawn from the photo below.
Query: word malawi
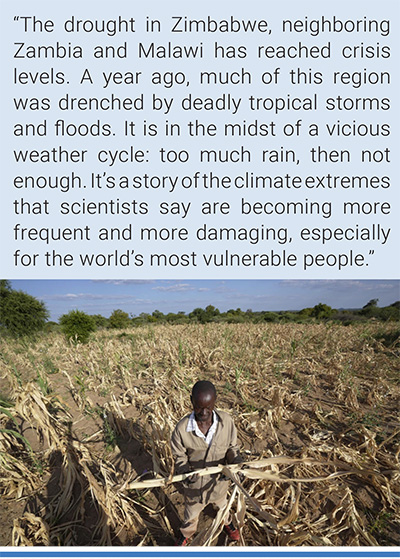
(58, 50)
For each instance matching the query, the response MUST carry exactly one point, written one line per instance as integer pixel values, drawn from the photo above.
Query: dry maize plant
(84, 434)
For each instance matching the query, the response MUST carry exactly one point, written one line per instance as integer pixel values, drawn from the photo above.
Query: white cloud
(174, 287)
(105, 297)
(71, 296)
(125, 282)
(339, 285)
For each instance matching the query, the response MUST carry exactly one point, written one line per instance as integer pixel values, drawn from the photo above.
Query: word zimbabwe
(182, 24)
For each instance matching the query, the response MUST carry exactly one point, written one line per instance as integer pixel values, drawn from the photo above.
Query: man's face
(203, 406)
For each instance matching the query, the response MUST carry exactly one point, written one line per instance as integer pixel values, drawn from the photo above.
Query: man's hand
(191, 479)
(240, 475)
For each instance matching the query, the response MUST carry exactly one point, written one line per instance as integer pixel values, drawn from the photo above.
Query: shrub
(100, 320)
(20, 313)
(119, 319)
(270, 317)
(77, 326)
(51, 326)
(322, 311)
(388, 313)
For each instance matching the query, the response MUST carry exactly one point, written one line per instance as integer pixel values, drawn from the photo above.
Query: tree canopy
(119, 319)
(20, 314)
(77, 326)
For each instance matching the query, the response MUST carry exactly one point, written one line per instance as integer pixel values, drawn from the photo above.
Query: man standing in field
(205, 437)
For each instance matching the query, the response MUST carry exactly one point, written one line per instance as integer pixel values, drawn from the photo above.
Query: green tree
(100, 320)
(306, 313)
(20, 313)
(389, 313)
(77, 326)
(322, 311)
(270, 316)
(198, 315)
(371, 303)
(158, 315)
(119, 319)
(370, 309)
(5, 285)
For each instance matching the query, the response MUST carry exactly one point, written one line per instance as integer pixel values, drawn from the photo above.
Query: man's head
(203, 400)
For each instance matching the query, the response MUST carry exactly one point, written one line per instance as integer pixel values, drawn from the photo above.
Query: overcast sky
(137, 296)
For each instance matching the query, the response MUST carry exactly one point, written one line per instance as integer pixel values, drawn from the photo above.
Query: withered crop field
(80, 423)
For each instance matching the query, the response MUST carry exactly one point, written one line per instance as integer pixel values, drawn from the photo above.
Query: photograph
(199, 413)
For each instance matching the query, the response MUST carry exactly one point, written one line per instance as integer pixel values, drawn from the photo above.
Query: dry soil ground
(78, 422)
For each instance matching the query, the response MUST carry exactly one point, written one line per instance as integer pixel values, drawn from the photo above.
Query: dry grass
(79, 424)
